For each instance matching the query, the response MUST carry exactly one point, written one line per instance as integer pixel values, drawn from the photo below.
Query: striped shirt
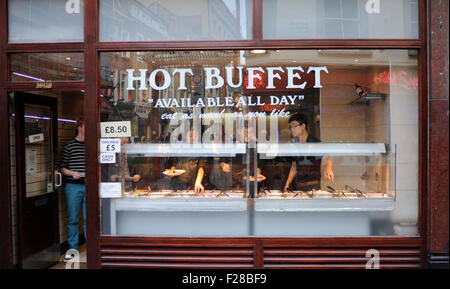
(72, 158)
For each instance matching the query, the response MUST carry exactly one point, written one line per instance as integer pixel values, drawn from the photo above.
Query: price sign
(110, 145)
(115, 129)
(107, 158)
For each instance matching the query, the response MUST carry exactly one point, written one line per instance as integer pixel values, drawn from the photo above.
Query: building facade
(228, 134)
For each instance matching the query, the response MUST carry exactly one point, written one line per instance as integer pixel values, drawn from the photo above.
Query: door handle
(58, 184)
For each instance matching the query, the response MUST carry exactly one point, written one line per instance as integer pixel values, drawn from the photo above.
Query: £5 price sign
(110, 145)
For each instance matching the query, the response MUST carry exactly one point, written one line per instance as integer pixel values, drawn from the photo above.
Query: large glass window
(45, 21)
(259, 143)
(340, 19)
(154, 20)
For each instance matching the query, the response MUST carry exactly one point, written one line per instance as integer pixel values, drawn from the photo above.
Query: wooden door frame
(6, 242)
(21, 99)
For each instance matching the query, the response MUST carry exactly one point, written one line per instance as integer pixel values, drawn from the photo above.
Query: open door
(37, 198)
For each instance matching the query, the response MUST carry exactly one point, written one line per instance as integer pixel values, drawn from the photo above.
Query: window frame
(91, 47)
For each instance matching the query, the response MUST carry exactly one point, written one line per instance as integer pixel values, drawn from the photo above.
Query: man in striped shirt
(72, 166)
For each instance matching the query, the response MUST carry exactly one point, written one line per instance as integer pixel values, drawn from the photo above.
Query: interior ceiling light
(45, 118)
(28, 76)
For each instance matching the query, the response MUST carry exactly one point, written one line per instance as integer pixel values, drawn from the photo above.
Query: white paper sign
(31, 161)
(111, 190)
(36, 137)
(107, 158)
(115, 129)
(110, 145)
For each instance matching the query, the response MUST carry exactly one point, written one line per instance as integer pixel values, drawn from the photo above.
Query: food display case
(364, 178)
(158, 196)
(364, 182)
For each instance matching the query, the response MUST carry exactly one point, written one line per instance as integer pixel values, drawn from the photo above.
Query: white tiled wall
(404, 133)
(341, 122)
(392, 121)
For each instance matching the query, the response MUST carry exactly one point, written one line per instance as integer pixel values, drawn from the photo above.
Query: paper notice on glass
(110, 190)
(107, 158)
(110, 145)
(31, 161)
(36, 137)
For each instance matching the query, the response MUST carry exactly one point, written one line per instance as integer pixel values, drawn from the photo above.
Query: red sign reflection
(400, 79)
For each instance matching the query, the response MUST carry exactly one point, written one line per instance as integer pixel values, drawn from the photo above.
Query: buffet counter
(236, 201)
(323, 201)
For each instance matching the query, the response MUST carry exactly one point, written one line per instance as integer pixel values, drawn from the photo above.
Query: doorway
(42, 122)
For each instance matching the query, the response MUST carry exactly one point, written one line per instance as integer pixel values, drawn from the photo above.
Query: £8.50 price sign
(115, 129)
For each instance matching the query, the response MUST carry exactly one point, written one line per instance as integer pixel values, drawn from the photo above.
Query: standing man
(73, 168)
(306, 169)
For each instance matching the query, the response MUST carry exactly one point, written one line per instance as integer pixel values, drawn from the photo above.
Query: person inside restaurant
(121, 169)
(229, 173)
(305, 170)
(186, 173)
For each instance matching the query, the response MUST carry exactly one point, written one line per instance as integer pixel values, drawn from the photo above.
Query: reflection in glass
(212, 132)
(340, 19)
(154, 20)
(45, 21)
(46, 66)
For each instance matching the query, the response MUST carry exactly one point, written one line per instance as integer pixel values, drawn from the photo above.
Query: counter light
(258, 51)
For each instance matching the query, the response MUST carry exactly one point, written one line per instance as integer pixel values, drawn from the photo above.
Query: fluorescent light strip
(66, 120)
(47, 118)
(37, 117)
(28, 76)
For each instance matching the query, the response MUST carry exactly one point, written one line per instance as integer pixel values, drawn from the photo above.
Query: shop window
(45, 21)
(259, 143)
(152, 20)
(340, 19)
(41, 67)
